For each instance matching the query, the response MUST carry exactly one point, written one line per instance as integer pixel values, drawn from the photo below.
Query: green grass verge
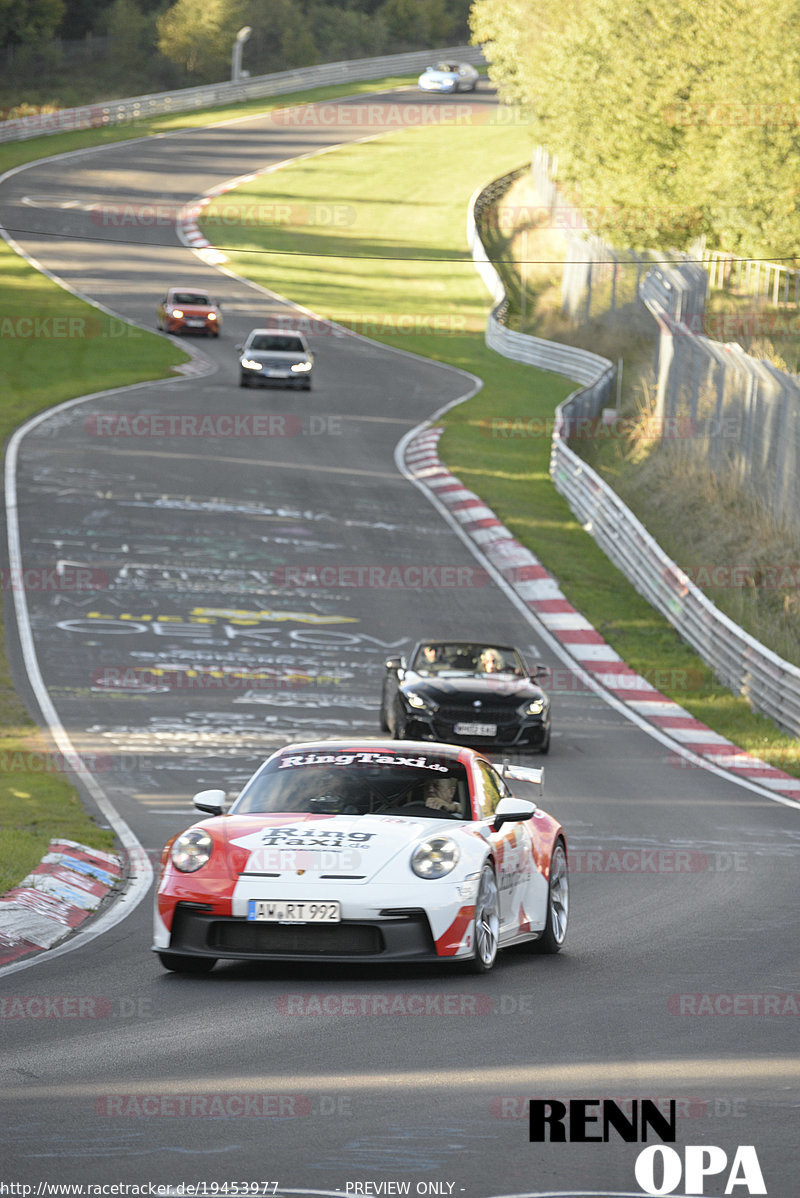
(55, 347)
(36, 807)
(403, 257)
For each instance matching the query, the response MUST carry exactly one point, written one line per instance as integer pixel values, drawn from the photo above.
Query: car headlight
(191, 850)
(211, 316)
(251, 364)
(301, 366)
(535, 707)
(435, 857)
(177, 312)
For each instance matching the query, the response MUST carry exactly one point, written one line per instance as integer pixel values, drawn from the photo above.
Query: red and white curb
(66, 887)
(188, 228)
(541, 594)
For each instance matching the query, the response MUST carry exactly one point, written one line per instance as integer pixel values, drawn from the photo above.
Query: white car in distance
(449, 77)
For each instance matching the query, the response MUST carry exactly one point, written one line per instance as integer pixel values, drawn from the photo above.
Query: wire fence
(778, 283)
(769, 683)
(597, 277)
(742, 414)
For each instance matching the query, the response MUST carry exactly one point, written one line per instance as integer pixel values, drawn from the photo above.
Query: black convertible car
(466, 693)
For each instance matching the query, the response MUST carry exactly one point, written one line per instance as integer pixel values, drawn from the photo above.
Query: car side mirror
(210, 801)
(240, 348)
(512, 811)
(542, 673)
(395, 663)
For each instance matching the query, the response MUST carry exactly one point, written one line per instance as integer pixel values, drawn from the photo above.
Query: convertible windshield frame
(462, 659)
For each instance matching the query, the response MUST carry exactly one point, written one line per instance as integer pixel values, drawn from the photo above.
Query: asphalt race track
(200, 544)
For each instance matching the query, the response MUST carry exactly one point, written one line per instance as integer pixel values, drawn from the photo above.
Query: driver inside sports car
(336, 794)
(432, 655)
(440, 795)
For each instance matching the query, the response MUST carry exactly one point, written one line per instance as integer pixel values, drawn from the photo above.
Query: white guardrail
(123, 112)
(769, 683)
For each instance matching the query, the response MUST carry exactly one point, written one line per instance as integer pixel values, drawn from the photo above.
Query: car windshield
(454, 659)
(191, 297)
(277, 342)
(440, 657)
(359, 783)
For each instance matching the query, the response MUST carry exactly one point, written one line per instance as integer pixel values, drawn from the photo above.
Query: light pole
(238, 46)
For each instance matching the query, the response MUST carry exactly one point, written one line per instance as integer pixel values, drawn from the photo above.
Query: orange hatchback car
(186, 310)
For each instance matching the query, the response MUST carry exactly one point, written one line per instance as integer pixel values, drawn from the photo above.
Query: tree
(282, 35)
(199, 35)
(416, 22)
(347, 32)
(28, 22)
(130, 30)
(639, 101)
(81, 17)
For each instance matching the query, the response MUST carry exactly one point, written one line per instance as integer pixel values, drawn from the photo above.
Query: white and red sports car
(365, 851)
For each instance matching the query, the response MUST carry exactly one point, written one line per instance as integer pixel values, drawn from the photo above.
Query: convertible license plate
(283, 911)
(475, 729)
(196, 324)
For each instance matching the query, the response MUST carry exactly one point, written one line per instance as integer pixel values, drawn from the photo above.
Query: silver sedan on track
(275, 356)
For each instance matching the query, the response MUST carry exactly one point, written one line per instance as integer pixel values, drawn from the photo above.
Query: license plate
(475, 729)
(284, 911)
(278, 374)
(196, 324)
